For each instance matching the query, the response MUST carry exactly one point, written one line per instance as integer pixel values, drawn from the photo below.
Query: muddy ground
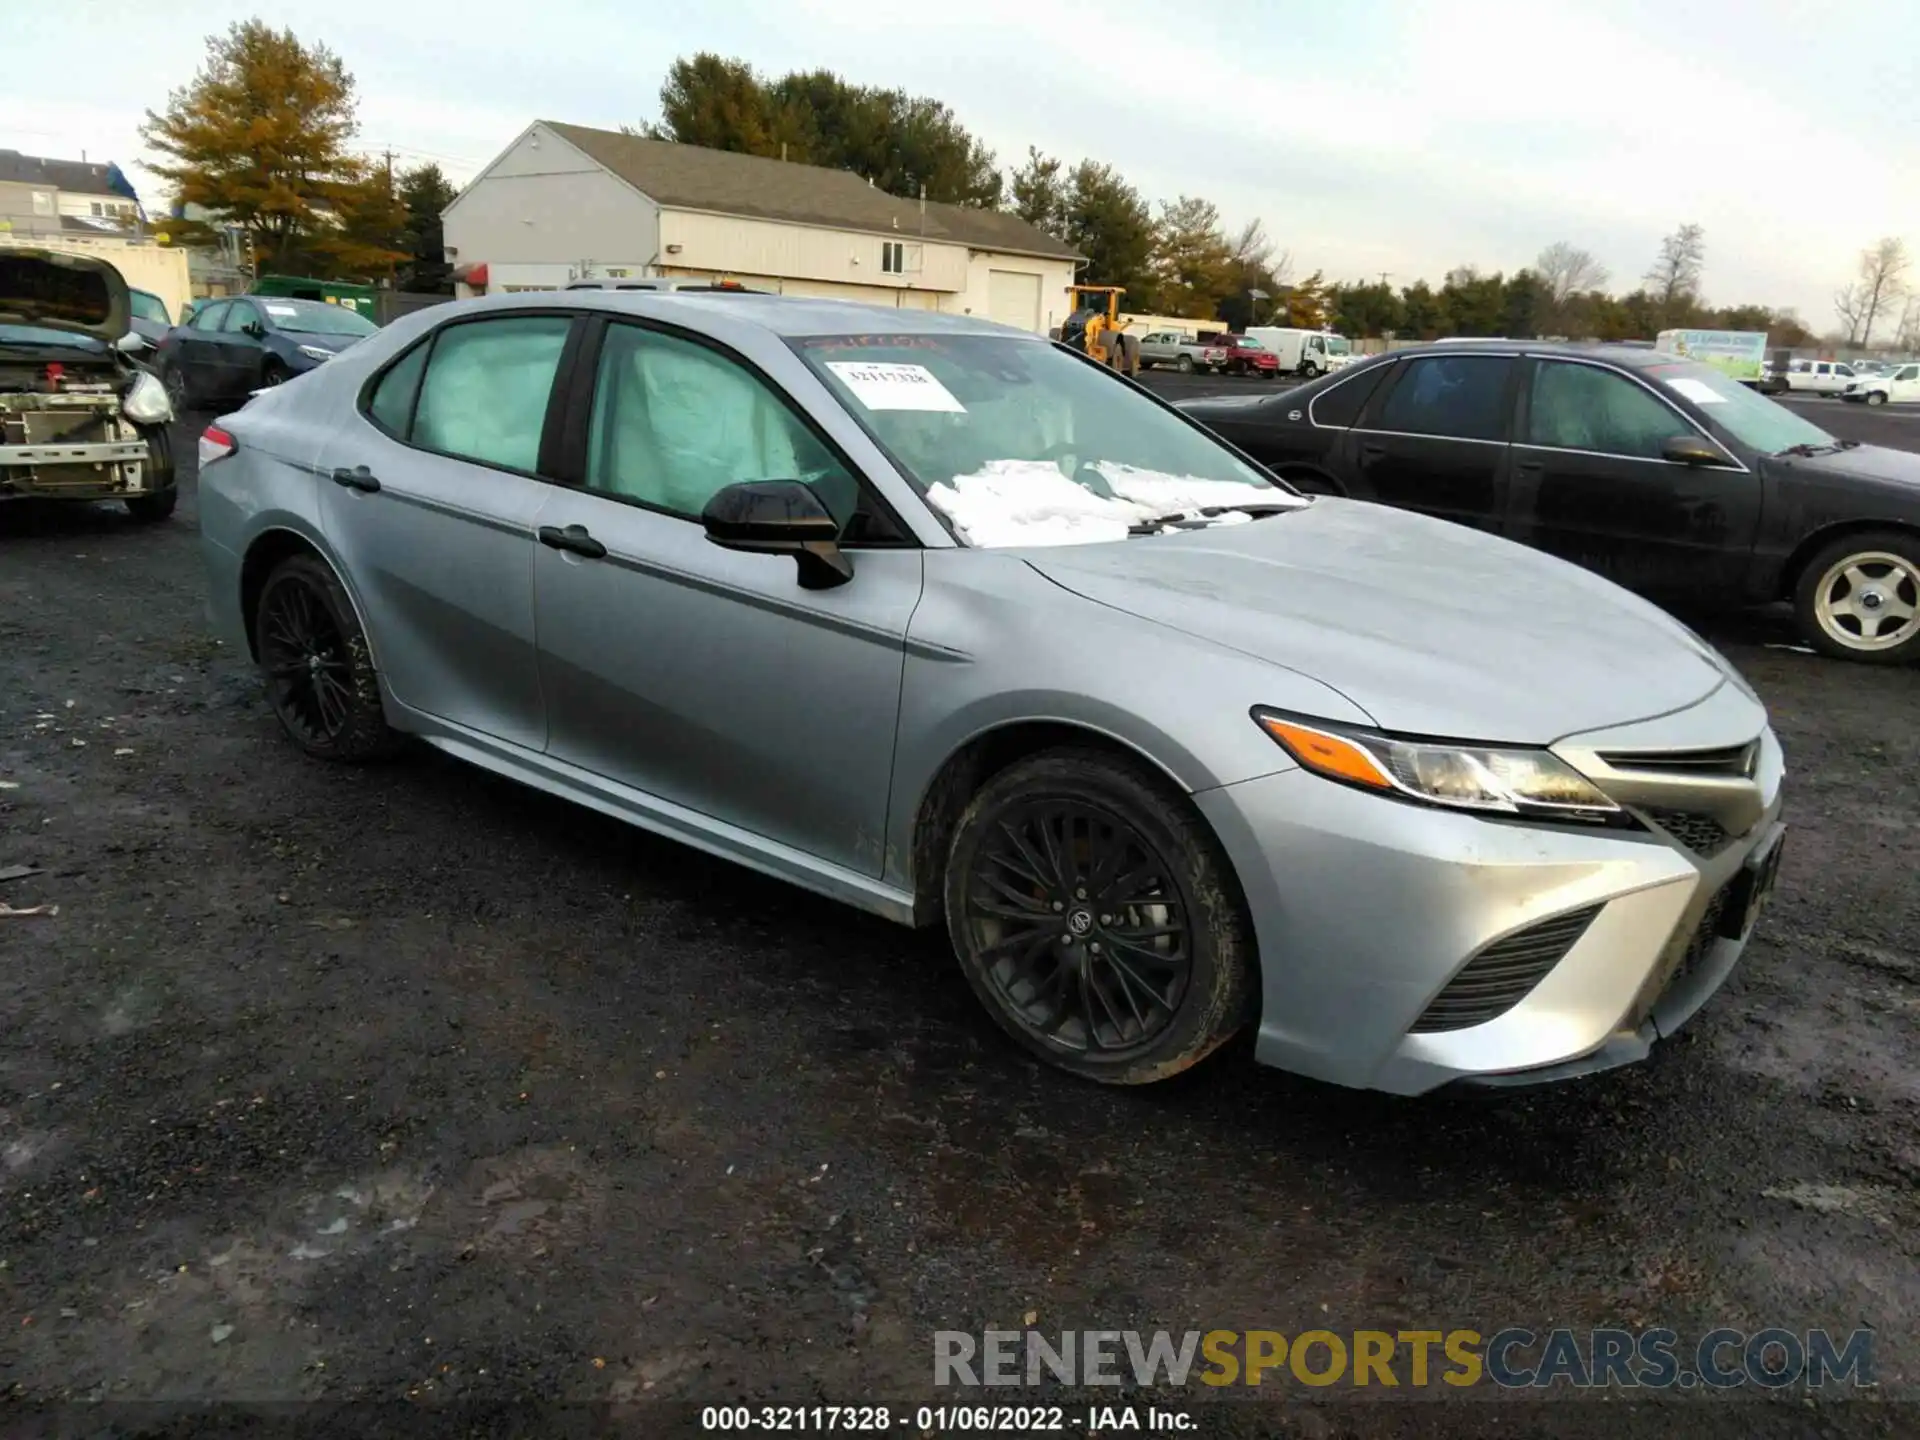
(406, 1084)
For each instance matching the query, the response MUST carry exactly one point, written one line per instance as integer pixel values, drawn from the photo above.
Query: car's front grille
(1502, 975)
(1730, 761)
(1699, 832)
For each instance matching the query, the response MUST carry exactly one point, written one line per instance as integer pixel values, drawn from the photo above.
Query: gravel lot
(405, 1083)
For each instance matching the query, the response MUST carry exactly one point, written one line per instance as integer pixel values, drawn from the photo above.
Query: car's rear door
(236, 352)
(1591, 485)
(1433, 438)
(707, 677)
(197, 351)
(429, 497)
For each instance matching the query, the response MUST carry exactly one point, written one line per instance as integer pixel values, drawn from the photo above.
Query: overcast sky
(1370, 135)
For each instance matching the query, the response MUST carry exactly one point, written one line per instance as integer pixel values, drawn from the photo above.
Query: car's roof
(782, 315)
(1630, 356)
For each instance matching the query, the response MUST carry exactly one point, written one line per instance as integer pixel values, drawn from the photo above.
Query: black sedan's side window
(1582, 407)
(1461, 397)
(484, 396)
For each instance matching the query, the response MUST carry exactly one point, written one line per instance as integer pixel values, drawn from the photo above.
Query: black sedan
(230, 348)
(1665, 476)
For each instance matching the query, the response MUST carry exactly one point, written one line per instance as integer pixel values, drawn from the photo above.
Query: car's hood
(1431, 628)
(1862, 462)
(64, 292)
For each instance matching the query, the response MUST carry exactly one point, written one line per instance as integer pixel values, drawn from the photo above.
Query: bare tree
(1883, 270)
(1908, 337)
(1253, 246)
(1567, 270)
(1850, 304)
(1675, 276)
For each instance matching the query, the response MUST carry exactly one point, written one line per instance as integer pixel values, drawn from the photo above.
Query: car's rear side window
(1339, 405)
(484, 396)
(391, 406)
(1462, 397)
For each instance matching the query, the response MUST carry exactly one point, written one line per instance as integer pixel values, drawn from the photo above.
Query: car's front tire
(1859, 598)
(317, 664)
(179, 390)
(1876, 397)
(158, 503)
(1096, 918)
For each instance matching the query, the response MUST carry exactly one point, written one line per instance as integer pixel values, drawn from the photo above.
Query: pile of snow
(1029, 502)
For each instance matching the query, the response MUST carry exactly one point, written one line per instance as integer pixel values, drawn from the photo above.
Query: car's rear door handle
(574, 539)
(358, 478)
(1372, 450)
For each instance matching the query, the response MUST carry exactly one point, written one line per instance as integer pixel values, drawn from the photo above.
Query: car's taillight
(215, 444)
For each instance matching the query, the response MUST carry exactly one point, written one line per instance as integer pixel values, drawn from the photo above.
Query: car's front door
(1903, 386)
(707, 677)
(1434, 439)
(429, 497)
(1591, 485)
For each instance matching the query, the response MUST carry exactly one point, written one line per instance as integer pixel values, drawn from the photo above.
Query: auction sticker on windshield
(886, 386)
(285, 312)
(1697, 391)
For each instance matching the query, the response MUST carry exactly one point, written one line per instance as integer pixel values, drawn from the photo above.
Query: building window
(42, 202)
(618, 274)
(98, 208)
(893, 257)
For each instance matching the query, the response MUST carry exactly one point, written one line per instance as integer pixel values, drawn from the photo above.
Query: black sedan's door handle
(358, 478)
(574, 539)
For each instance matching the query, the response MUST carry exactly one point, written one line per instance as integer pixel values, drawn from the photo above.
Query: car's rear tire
(1859, 598)
(179, 390)
(1184, 364)
(1096, 918)
(317, 664)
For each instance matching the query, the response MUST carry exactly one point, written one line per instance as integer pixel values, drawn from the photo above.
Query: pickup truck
(1245, 355)
(1170, 347)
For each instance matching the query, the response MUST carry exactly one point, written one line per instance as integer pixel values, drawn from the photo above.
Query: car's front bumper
(1366, 910)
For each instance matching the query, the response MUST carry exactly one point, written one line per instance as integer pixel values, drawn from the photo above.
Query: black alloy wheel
(319, 672)
(1092, 914)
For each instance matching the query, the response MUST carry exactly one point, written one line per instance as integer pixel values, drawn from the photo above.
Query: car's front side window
(1582, 407)
(485, 393)
(211, 316)
(239, 314)
(1462, 397)
(673, 422)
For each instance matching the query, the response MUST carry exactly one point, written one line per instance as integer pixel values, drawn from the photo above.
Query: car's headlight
(1500, 779)
(314, 352)
(146, 401)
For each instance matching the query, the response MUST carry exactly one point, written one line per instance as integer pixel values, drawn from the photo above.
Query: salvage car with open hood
(79, 419)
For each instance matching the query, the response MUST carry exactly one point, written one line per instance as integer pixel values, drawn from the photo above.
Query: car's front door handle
(574, 538)
(1372, 451)
(358, 478)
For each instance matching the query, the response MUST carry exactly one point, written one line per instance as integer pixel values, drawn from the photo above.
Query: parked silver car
(951, 624)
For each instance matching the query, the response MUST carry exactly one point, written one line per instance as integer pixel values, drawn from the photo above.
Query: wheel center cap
(1872, 599)
(1080, 922)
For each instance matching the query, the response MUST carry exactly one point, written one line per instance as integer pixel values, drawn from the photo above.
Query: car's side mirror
(1692, 450)
(780, 517)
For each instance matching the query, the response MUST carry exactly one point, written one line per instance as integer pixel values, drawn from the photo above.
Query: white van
(1304, 352)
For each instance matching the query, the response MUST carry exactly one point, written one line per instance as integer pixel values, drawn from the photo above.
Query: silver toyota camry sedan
(949, 623)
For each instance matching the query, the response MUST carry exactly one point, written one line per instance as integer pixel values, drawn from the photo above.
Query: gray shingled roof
(691, 177)
(76, 176)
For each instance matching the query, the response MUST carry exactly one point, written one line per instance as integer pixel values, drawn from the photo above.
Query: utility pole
(1383, 276)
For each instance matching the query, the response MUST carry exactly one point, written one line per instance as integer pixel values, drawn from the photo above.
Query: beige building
(66, 205)
(565, 203)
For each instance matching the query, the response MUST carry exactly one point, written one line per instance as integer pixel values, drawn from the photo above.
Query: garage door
(1013, 298)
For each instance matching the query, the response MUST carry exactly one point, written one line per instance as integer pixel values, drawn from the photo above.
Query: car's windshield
(315, 317)
(29, 337)
(1019, 443)
(148, 307)
(1745, 414)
